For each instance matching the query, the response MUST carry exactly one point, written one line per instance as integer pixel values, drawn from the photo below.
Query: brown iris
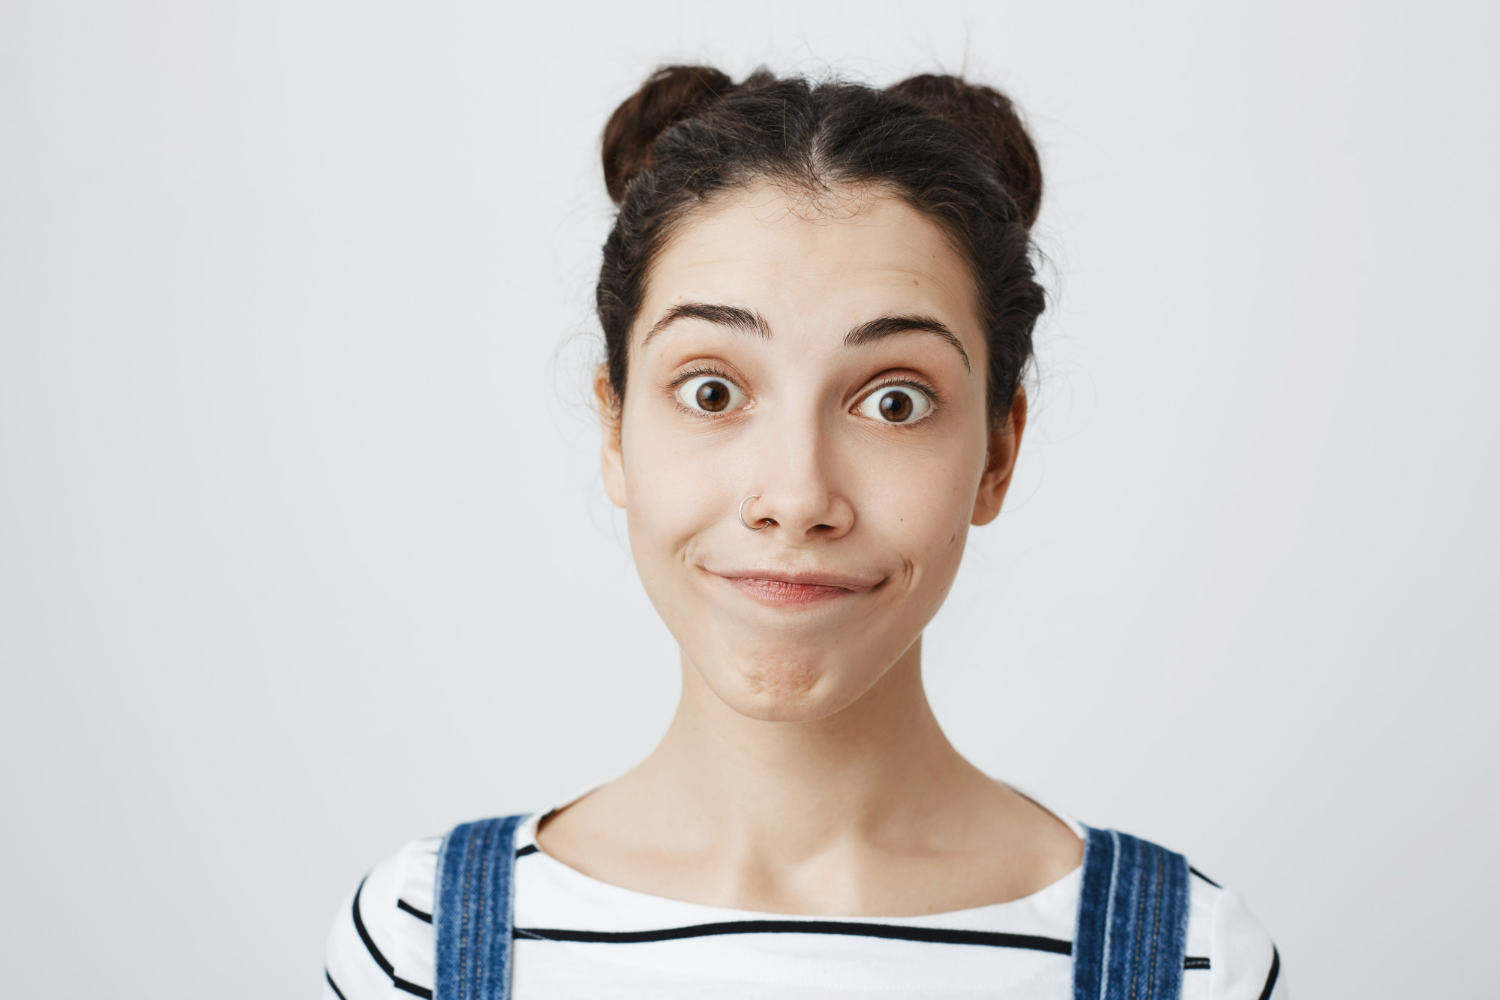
(713, 396)
(896, 406)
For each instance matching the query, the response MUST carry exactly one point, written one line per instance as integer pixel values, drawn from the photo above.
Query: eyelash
(693, 373)
(935, 400)
(687, 376)
(910, 383)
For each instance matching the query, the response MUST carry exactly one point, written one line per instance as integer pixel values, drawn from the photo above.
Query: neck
(867, 811)
(792, 790)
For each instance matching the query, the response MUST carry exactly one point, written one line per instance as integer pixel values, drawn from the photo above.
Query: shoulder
(1229, 946)
(381, 942)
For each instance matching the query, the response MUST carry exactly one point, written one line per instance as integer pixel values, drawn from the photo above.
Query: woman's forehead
(831, 259)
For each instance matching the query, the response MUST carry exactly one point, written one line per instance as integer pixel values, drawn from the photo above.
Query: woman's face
(827, 357)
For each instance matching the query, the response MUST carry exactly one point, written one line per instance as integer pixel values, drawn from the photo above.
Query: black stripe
(1194, 962)
(381, 960)
(528, 849)
(937, 935)
(1204, 877)
(333, 985)
(1265, 994)
(402, 904)
(364, 935)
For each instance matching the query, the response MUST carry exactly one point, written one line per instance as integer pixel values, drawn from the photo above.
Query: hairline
(810, 186)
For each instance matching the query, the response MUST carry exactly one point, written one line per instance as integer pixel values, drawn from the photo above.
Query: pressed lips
(787, 587)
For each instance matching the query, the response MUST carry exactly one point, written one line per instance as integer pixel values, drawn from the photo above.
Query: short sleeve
(1245, 962)
(381, 942)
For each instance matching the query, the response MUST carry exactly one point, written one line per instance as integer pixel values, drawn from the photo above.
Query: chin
(786, 688)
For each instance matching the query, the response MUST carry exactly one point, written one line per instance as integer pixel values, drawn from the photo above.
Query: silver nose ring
(767, 521)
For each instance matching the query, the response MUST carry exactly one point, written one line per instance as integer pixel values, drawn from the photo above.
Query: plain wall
(303, 551)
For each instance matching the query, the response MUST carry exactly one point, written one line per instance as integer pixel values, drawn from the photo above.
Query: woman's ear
(611, 459)
(1005, 444)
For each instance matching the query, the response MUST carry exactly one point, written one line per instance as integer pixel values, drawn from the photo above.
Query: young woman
(817, 303)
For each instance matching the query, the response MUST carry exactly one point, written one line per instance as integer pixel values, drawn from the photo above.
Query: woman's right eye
(710, 394)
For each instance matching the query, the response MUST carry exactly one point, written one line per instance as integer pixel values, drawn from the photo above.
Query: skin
(804, 771)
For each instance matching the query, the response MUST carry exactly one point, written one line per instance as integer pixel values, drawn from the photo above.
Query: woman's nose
(799, 483)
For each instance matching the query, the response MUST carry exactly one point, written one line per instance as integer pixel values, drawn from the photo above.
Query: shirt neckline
(526, 837)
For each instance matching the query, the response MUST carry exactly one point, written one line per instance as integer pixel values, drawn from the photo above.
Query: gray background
(303, 551)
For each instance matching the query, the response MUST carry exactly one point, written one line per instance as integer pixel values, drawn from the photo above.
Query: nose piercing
(753, 496)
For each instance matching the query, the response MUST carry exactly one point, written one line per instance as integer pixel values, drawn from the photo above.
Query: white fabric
(812, 966)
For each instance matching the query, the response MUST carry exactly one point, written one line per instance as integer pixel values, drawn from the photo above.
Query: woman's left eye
(896, 404)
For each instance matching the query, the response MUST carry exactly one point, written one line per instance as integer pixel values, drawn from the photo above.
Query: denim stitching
(1109, 913)
(481, 909)
(463, 936)
(1140, 919)
(1155, 929)
(507, 943)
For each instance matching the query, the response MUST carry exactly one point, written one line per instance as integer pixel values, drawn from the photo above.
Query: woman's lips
(794, 588)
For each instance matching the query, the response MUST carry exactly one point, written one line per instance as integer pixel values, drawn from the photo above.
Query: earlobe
(611, 455)
(1000, 462)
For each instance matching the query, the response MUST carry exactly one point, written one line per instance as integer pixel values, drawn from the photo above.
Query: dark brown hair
(954, 150)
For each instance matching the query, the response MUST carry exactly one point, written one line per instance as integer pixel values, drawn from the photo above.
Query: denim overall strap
(1132, 920)
(472, 910)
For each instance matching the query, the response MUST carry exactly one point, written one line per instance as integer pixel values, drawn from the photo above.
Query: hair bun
(991, 116)
(668, 96)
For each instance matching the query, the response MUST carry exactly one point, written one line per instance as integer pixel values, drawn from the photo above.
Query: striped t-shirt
(581, 939)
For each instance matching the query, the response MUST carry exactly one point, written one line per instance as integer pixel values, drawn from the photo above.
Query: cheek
(673, 491)
(923, 505)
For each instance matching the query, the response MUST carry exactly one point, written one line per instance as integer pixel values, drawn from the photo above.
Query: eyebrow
(889, 326)
(733, 317)
(749, 321)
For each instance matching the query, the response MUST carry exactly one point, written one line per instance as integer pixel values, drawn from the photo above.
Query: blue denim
(1132, 920)
(472, 907)
(1128, 945)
